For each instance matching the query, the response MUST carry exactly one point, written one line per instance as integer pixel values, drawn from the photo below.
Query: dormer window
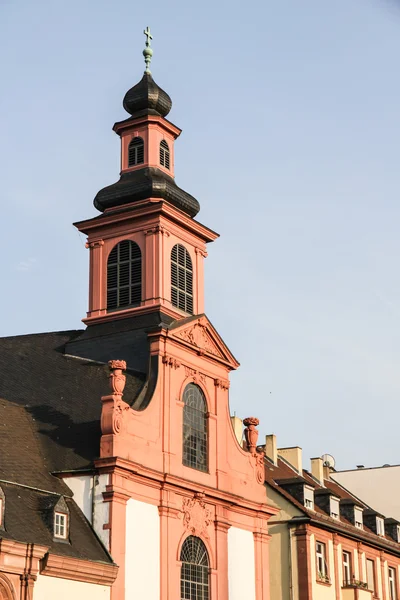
(308, 497)
(380, 526)
(136, 152)
(398, 533)
(61, 520)
(358, 517)
(334, 507)
(60, 525)
(164, 154)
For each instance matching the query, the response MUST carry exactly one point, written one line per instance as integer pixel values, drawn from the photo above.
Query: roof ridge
(26, 335)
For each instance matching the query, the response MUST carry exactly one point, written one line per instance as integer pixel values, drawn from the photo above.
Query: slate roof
(50, 407)
(61, 393)
(278, 476)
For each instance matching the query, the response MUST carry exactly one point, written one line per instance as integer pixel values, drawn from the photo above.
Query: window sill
(324, 582)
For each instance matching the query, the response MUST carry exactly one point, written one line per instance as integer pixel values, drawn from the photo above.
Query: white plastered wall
(142, 558)
(241, 564)
(49, 588)
(87, 492)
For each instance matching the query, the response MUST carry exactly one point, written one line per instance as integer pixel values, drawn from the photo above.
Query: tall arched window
(164, 154)
(181, 279)
(194, 453)
(135, 152)
(124, 276)
(195, 583)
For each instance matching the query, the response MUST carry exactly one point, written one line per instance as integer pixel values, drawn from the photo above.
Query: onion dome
(146, 96)
(148, 182)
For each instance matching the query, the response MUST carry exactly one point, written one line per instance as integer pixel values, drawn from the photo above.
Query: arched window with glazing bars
(194, 452)
(124, 276)
(195, 569)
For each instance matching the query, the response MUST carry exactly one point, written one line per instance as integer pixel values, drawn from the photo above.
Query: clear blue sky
(291, 133)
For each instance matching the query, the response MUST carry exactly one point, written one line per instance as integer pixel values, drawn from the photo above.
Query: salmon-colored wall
(143, 453)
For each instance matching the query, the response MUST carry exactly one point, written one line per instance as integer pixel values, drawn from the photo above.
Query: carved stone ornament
(117, 379)
(196, 516)
(260, 471)
(251, 433)
(171, 362)
(197, 335)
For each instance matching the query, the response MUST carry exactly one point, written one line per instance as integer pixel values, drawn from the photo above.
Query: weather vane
(148, 52)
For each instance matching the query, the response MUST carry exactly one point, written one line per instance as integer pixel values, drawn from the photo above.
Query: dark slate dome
(147, 96)
(141, 184)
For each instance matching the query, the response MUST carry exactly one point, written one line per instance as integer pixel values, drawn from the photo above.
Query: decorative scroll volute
(112, 414)
(251, 433)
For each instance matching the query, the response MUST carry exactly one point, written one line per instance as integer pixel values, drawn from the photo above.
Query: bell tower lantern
(146, 248)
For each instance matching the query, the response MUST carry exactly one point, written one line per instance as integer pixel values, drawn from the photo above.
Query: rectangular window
(308, 497)
(60, 525)
(1, 512)
(392, 584)
(322, 567)
(380, 526)
(371, 574)
(347, 575)
(335, 508)
(358, 517)
(398, 533)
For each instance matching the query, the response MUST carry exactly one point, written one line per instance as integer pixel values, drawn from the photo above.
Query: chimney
(293, 456)
(237, 425)
(327, 472)
(317, 469)
(271, 450)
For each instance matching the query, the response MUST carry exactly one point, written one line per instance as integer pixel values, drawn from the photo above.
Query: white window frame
(392, 583)
(398, 533)
(322, 566)
(347, 576)
(358, 517)
(371, 562)
(380, 526)
(334, 508)
(308, 497)
(60, 525)
(1, 511)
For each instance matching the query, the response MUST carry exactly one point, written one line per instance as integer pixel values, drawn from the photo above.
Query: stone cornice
(77, 569)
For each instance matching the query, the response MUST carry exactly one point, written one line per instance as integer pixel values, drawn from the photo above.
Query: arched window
(124, 276)
(164, 154)
(181, 279)
(136, 152)
(194, 452)
(195, 570)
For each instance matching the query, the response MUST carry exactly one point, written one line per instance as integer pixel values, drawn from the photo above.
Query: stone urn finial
(116, 378)
(251, 433)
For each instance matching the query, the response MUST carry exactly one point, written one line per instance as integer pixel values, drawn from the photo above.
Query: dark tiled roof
(28, 518)
(283, 473)
(61, 394)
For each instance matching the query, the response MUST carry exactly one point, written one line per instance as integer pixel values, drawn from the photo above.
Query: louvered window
(164, 154)
(136, 152)
(194, 570)
(124, 276)
(181, 279)
(194, 452)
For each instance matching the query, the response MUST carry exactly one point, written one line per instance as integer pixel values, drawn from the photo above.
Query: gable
(198, 333)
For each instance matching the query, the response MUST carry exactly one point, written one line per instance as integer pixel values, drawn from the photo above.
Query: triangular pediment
(200, 334)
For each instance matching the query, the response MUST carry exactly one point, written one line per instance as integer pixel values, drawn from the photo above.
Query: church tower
(146, 248)
(185, 506)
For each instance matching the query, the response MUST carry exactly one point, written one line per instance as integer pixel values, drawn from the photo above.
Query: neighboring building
(149, 478)
(379, 486)
(326, 544)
